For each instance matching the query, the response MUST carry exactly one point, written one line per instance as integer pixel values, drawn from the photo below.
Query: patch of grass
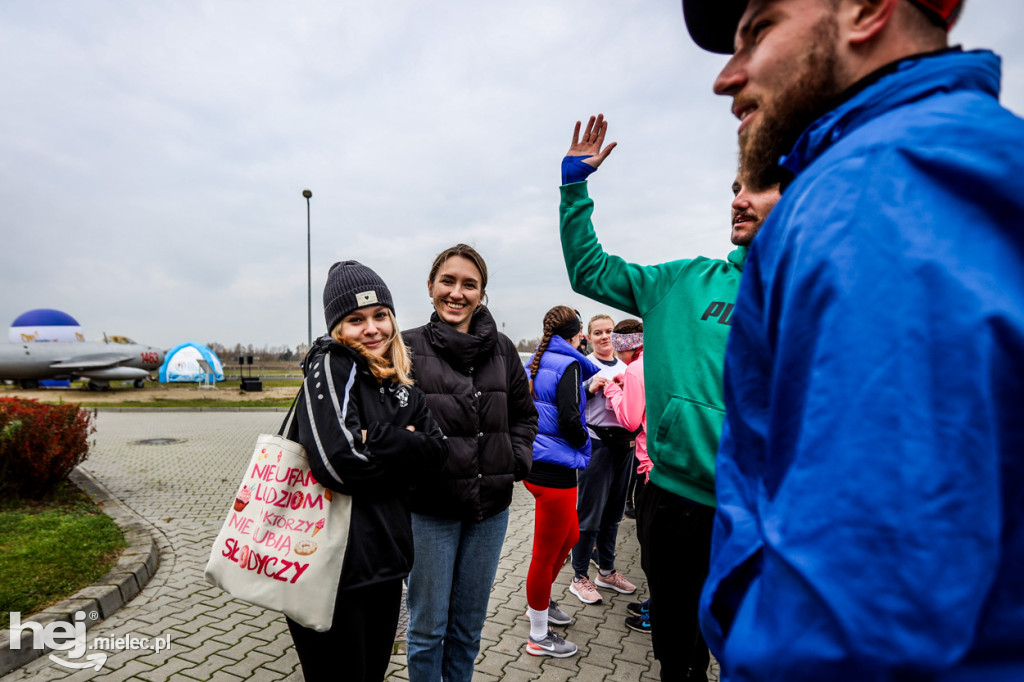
(197, 402)
(51, 548)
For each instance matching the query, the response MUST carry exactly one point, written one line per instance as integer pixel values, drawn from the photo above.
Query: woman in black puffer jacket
(478, 392)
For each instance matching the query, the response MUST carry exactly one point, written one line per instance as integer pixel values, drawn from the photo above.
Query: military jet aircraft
(116, 358)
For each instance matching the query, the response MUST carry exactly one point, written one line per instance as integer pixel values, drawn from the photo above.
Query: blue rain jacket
(870, 477)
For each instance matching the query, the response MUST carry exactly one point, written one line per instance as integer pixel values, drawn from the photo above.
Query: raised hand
(591, 142)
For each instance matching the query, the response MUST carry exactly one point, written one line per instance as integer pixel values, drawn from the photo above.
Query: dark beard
(808, 96)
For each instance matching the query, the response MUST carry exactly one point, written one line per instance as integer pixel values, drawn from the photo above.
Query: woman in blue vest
(557, 372)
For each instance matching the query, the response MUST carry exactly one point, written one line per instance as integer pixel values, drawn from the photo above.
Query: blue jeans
(452, 574)
(601, 500)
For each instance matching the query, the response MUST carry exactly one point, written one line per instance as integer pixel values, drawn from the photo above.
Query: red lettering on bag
(262, 473)
(240, 522)
(299, 570)
(272, 496)
(279, 542)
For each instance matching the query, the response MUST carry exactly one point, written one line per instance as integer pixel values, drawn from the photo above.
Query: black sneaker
(640, 623)
(639, 608)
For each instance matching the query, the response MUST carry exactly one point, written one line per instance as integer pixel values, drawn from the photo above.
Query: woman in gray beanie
(368, 434)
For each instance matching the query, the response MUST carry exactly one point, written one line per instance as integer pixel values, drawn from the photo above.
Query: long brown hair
(553, 319)
(394, 363)
(629, 325)
(470, 254)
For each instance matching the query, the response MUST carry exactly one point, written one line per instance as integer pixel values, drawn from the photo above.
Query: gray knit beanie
(351, 285)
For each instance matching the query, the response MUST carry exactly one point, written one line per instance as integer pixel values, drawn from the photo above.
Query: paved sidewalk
(182, 491)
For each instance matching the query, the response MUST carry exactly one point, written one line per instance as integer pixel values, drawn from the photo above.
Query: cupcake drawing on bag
(242, 498)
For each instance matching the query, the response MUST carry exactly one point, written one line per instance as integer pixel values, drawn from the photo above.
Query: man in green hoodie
(686, 306)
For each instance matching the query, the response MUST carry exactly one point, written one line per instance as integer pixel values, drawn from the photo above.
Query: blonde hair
(595, 318)
(394, 363)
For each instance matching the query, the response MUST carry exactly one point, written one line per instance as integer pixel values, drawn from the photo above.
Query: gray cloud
(155, 155)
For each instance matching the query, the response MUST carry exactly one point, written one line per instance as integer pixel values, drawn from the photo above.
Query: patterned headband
(621, 342)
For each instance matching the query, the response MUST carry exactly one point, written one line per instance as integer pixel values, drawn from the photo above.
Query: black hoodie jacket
(339, 399)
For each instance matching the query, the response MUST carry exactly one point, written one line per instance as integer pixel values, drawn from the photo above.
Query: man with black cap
(870, 478)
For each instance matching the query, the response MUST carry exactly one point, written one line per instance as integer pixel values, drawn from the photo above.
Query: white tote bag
(283, 542)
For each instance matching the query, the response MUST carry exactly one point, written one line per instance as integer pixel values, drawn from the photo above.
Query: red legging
(556, 530)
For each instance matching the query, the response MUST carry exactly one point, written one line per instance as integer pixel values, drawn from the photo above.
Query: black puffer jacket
(479, 394)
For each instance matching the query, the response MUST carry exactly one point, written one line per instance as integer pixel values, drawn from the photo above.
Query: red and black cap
(942, 12)
(712, 23)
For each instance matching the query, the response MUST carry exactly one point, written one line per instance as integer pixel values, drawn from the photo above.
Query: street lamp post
(309, 278)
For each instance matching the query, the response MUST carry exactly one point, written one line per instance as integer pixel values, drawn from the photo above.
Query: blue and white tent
(181, 364)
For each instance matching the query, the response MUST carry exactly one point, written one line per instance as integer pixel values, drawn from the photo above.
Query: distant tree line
(230, 354)
(528, 345)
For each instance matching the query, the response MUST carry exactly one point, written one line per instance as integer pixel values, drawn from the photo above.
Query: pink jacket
(630, 408)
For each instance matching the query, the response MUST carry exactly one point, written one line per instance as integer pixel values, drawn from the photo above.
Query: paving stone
(512, 674)
(610, 635)
(179, 494)
(636, 650)
(125, 672)
(200, 654)
(221, 676)
(601, 656)
(247, 664)
(573, 664)
(205, 669)
(287, 664)
(484, 677)
(397, 669)
(242, 648)
(263, 675)
(625, 672)
(494, 663)
(241, 632)
(552, 674)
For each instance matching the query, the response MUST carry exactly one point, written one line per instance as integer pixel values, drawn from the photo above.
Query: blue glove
(574, 170)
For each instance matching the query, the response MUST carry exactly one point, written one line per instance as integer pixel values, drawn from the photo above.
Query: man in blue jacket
(870, 478)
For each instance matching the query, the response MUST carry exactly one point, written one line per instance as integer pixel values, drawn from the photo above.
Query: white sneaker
(551, 645)
(616, 582)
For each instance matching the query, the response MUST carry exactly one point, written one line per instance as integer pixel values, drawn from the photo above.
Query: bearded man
(870, 480)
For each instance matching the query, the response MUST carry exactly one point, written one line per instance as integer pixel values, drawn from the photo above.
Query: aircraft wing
(96, 361)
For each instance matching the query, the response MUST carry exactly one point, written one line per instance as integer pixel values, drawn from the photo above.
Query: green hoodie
(686, 307)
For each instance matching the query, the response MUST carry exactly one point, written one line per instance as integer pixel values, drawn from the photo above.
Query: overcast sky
(154, 154)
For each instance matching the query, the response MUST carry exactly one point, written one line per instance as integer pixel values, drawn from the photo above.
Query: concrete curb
(99, 601)
(188, 409)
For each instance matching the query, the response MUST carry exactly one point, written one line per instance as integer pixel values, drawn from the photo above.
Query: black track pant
(358, 646)
(675, 549)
